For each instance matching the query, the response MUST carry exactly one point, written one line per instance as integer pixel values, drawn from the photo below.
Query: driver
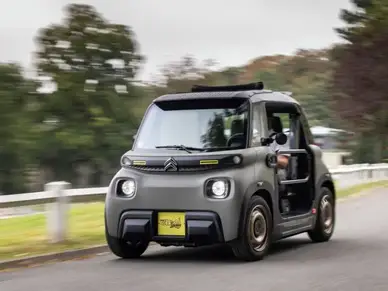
(275, 126)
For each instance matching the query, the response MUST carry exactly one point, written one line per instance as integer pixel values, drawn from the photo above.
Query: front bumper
(201, 228)
(178, 192)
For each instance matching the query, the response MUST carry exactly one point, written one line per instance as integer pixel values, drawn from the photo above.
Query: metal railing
(353, 175)
(58, 195)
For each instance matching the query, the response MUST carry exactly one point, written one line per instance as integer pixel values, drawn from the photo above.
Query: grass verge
(26, 236)
(360, 188)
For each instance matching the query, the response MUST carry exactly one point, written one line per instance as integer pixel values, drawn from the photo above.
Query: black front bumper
(202, 228)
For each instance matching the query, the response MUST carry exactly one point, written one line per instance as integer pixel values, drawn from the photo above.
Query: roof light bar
(242, 87)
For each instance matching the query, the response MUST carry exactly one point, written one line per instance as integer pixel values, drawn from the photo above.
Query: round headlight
(219, 188)
(128, 187)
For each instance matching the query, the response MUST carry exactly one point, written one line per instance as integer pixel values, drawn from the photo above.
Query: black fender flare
(325, 181)
(252, 190)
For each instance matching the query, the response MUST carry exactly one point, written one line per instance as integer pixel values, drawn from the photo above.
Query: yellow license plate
(171, 224)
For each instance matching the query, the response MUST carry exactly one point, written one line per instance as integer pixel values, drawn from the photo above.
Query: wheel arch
(328, 183)
(264, 191)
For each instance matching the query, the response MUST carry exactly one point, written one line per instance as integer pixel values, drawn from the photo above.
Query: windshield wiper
(180, 147)
(213, 149)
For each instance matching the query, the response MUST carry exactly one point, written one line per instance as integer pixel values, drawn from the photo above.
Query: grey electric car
(214, 166)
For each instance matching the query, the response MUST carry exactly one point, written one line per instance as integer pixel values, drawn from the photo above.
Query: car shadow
(217, 253)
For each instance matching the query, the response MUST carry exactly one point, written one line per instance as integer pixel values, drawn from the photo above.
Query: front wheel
(255, 240)
(124, 249)
(325, 222)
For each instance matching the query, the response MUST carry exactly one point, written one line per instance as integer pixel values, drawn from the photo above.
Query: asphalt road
(355, 259)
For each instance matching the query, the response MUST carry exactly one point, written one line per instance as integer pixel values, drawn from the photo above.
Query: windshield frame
(202, 105)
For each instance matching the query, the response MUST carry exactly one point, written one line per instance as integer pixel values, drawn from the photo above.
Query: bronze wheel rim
(257, 229)
(327, 214)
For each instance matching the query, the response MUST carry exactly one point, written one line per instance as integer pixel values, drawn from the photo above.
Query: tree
(214, 136)
(93, 63)
(305, 74)
(354, 19)
(14, 129)
(181, 75)
(359, 83)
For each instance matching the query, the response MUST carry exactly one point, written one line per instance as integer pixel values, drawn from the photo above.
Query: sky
(228, 31)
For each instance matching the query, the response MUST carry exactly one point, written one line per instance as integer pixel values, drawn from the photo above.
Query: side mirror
(134, 136)
(281, 138)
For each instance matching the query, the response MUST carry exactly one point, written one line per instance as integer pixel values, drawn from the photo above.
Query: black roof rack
(242, 87)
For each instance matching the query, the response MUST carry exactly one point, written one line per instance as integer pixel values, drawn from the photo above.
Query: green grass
(360, 188)
(26, 236)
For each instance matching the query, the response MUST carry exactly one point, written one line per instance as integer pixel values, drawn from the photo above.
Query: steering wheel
(234, 137)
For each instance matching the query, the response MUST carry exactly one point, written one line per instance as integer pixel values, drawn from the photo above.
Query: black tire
(243, 249)
(322, 232)
(126, 250)
(123, 249)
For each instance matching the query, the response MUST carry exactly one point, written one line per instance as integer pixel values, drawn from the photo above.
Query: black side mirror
(281, 138)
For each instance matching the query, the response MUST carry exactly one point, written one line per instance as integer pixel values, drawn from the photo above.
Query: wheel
(124, 249)
(325, 222)
(255, 240)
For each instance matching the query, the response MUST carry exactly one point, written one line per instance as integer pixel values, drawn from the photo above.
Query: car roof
(245, 91)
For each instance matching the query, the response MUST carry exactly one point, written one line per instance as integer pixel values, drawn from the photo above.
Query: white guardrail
(58, 195)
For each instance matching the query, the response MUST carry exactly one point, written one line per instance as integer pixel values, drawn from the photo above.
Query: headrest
(237, 126)
(276, 124)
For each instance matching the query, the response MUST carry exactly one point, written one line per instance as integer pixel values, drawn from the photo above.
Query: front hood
(177, 160)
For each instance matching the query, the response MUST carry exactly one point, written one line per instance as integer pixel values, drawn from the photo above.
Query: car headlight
(218, 188)
(127, 188)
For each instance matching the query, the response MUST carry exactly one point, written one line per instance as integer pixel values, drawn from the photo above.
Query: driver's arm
(283, 161)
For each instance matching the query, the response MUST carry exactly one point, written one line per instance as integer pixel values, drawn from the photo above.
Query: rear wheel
(255, 240)
(325, 222)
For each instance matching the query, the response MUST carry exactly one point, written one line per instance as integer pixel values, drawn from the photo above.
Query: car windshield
(205, 125)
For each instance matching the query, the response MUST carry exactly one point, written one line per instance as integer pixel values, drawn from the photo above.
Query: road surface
(355, 259)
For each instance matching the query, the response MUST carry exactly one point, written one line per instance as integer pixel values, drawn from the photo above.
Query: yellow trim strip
(139, 163)
(208, 162)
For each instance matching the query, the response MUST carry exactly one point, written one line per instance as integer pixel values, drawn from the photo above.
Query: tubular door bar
(293, 151)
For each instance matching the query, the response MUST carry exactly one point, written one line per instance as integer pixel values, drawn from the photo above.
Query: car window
(193, 127)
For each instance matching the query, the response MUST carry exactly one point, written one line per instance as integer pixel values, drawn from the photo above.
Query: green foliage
(215, 137)
(305, 74)
(88, 58)
(356, 19)
(359, 81)
(14, 130)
